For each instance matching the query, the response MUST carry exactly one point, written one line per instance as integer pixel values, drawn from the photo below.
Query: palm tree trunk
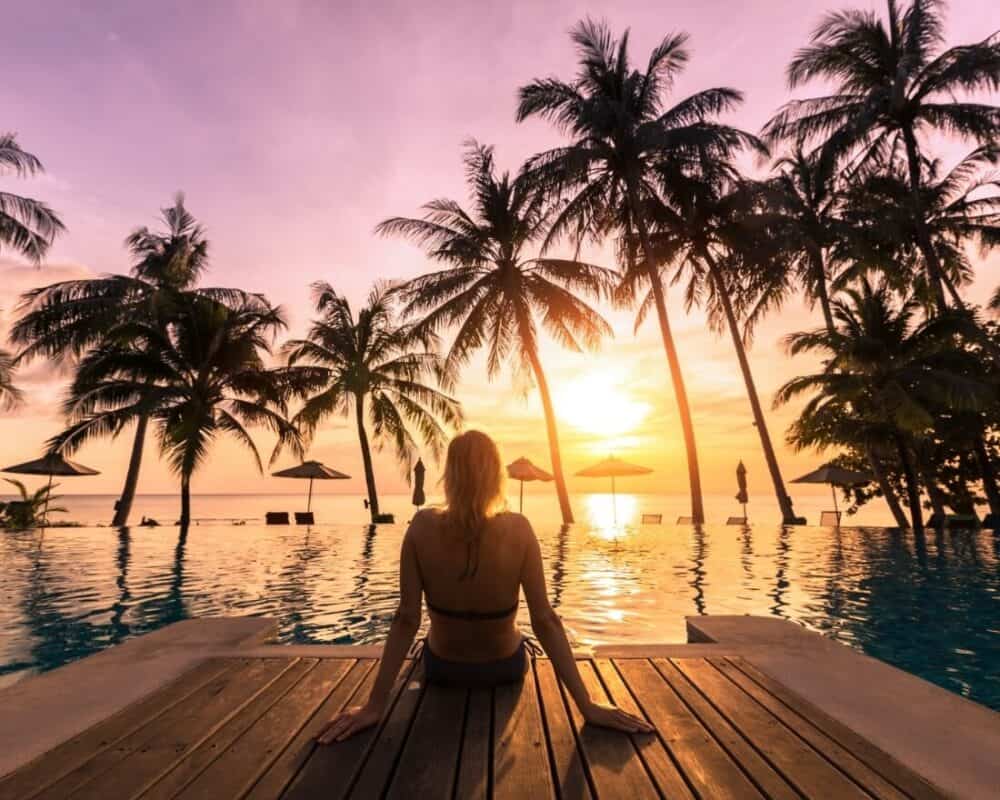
(784, 503)
(124, 505)
(366, 457)
(553, 433)
(987, 474)
(676, 376)
(931, 261)
(912, 487)
(887, 491)
(185, 519)
(822, 294)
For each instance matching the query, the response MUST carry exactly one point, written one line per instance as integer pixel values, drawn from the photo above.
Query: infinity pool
(930, 606)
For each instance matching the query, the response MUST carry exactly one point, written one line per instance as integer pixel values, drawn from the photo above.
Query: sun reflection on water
(611, 517)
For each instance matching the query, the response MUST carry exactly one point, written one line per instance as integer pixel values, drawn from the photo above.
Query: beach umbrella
(418, 483)
(835, 476)
(51, 464)
(314, 471)
(612, 467)
(741, 482)
(523, 470)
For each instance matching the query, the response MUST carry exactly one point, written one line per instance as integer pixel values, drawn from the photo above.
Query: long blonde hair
(474, 489)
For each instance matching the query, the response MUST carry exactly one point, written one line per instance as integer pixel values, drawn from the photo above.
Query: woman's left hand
(349, 722)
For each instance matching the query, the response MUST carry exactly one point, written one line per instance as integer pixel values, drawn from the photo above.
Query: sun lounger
(963, 521)
(829, 519)
(304, 518)
(685, 520)
(276, 518)
(736, 521)
(652, 519)
(992, 522)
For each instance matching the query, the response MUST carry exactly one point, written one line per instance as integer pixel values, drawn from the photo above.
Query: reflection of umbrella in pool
(741, 482)
(612, 467)
(835, 476)
(51, 464)
(418, 483)
(523, 470)
(314, 471)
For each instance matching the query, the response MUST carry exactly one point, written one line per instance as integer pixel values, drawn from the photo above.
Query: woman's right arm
(551, 635)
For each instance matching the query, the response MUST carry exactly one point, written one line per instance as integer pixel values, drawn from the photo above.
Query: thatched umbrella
(51, 464)
(835, 476)
(742, 497)
(523, 470)
(314, 471)
(612, 467)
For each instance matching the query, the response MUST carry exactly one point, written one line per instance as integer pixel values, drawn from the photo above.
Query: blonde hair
(474, 489)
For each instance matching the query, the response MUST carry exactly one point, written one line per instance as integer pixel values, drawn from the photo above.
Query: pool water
(930, 606)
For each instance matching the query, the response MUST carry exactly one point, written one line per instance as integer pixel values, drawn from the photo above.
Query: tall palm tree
(497, 292)
(65, 320)
(201, 376)
(884, 369)
(620, 132)
(381, 369)
(894, 83)
(702, 228)
(27, 226)
(10, 395)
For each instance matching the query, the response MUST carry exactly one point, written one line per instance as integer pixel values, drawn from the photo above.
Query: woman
(471, 559)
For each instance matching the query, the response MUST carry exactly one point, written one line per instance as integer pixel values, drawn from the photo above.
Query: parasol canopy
(742, 496)
(50, 464)
(612, 467)
(523, 470)
(835, 476)
(419, 470)
(313, 471)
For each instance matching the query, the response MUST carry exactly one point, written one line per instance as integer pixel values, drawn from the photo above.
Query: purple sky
(294, 127)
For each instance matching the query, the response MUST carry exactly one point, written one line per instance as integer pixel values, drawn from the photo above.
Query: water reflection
(927, 604)
(611, 516)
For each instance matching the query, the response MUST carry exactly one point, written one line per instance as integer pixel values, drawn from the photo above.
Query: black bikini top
(472, 615)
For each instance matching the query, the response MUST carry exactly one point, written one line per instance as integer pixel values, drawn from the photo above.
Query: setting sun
(599, 403)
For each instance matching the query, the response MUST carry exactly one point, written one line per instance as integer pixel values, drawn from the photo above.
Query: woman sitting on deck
(470, 560)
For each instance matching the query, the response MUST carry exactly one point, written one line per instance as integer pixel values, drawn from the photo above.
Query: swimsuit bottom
(478, 674)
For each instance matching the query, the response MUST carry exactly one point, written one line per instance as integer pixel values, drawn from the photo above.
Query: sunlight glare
(600, 403)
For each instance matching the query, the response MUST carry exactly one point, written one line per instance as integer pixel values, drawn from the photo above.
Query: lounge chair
(386, 519)
(685, 521)
(652, 519)
(276, 518)
(304, 518)
(992, 522)
(736, 521)
(829, 519)
(963, 522)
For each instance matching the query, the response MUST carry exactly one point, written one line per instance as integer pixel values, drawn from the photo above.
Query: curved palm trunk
(822, 294)
(366, 457)
(124, 505)
(784, 502)
(987, 474)
(676, 376)
(185, 519)
(888, 493)
(931, 262)
(912, 487)
(553, 434)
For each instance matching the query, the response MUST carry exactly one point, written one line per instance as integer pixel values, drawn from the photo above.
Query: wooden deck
(244, 728)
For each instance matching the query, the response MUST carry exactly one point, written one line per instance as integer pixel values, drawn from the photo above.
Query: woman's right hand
(609, 716)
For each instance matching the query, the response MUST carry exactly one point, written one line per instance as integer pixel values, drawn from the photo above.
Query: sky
(294, 127)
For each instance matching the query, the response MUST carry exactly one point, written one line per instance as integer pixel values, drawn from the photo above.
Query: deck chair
(685, 520)
(963, 522)
(276, 518)
(736, 521)
(652, 519)
(829, 519)
(991, 522)
(304, 518)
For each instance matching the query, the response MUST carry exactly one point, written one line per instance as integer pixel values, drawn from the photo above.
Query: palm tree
(893, 84)
(884, 371)
(198, 377)
(27, 226)
(494, 291)
(703, 227)
(65, 320)
(33, 507)
(380, 368)
(10, 395)
(620, 133)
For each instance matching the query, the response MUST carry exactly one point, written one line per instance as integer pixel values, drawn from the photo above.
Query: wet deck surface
(235, 728)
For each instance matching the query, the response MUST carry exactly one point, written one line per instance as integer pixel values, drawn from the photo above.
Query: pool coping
(949, 740)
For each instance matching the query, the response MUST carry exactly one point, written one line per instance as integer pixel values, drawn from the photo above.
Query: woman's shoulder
(513, 521)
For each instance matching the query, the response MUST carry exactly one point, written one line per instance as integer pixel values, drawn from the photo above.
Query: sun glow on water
(611, 517)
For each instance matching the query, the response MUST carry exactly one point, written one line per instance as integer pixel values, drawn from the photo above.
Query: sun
(599, 403)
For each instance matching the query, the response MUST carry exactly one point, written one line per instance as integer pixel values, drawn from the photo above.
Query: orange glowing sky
(294, 128)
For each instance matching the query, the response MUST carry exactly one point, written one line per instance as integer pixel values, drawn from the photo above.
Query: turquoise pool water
(930, 606)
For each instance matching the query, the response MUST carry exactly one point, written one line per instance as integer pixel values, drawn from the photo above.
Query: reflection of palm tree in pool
(295, 595)
(372, 627)
(782, 551)
(698, 568)
(559, 566)
(746, 554)
(120, 630)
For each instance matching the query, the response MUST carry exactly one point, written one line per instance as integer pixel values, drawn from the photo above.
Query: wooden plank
(610, 756)
(135, 763)
(197, 760)
(806, 769)
(520, 753)
(763, 775)
(365, 760)
(289, 761)
(429, 762)
(50, 767)
(570, 775)
(706, 765)
(477, 747)
(652, 750)
(893, 770)
(846, 761)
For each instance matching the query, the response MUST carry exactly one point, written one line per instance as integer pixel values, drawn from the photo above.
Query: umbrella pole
(520, 505)
(45, 511)
(309, 505)
(614, 502)
(836, 510)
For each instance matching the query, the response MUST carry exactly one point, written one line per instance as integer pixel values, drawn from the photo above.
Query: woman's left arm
(405, 625)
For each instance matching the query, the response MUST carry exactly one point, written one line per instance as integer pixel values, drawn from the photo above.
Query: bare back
(441, 557)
